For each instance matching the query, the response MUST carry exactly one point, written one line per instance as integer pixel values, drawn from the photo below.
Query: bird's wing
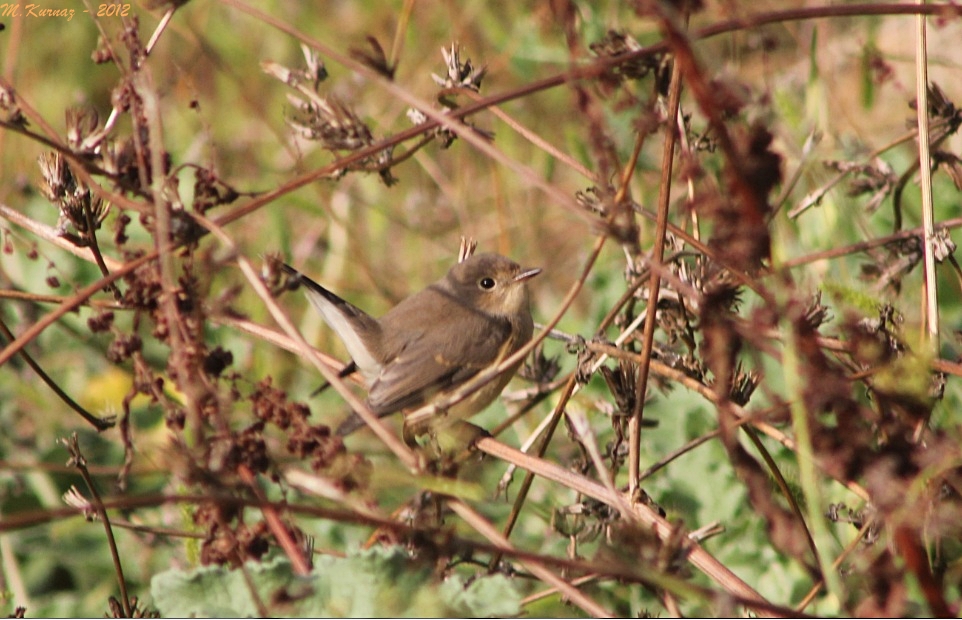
(433, 360)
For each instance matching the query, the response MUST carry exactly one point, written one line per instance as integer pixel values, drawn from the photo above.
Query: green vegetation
(150, 382)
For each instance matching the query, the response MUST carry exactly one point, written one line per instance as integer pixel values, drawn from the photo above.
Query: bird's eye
(486, 283)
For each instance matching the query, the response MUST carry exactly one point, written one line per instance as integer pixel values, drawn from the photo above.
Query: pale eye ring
(486, 283)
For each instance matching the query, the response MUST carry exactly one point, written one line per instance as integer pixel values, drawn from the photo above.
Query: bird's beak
(527, 274)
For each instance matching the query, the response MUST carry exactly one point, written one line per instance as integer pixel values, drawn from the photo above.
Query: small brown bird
(437, 339)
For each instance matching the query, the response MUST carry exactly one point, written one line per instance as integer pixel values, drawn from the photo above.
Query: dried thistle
(538, 368)
(876, 178)
(459, 74)
(331, 122)
(743, 385)
(952, 165)
(942, 245)
(210, 191)
(78, 207)
(623, 383)
(328, 120)
(81, 123)
(941, 109)
(816, 314)
(889, 267)
(10, 112)
(617, 43)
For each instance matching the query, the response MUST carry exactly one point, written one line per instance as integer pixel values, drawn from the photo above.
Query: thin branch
(925, 173)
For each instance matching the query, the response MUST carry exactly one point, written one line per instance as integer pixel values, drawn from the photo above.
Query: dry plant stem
(319, 486)
(532, 137)
(91, 238)
(529, 475)
(279, 340)
(50, 234)
(486, 529)
(14, 581)
(159, 30)
(925, 173)
(556, 415)
(100, 424)
(80, 167)
(380, 429)
(782, 485)
(449, 121)
(910, 547)
(654, 282)
(71, 303)
(281, 533)
(31, 518)
(400, 32)
(867, 245)
(688, 447)
(640, 512)
(589, 71)
(811, 486)
(262, 610)
(73, 447)
(144, 87)
(849, 548)
(537, 596)
(98, 136)
(582, 430)
(815, 197)
(667, 372)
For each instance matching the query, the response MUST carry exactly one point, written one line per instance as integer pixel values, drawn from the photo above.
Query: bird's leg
(450, 443)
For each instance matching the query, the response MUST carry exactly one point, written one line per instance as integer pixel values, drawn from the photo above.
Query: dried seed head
(816, 314)
(57, 181)
(942, 245)
(9, 110)
(459, 74)
(78, 207)
(616, 43)
(209, 191)
(538, 368)
(877, 178)
(622, 383)
(81, 122)
(119, 160)
(333, 123)
(743, 385)
(315, 71)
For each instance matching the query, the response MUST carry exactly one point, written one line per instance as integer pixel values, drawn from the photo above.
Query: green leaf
(374, 583)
